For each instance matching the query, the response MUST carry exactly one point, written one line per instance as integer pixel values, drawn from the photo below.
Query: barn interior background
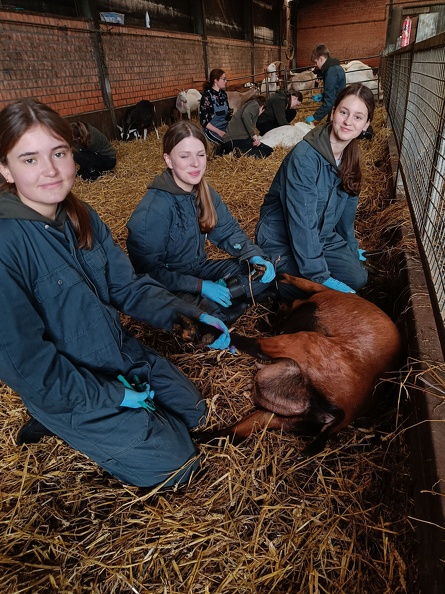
(65, 54)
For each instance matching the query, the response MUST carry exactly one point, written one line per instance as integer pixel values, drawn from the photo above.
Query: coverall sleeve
(32, 366)
(149, 232)
(329, 95)
(228, 235)
(300, 198)
(139, 296)
(346, 225)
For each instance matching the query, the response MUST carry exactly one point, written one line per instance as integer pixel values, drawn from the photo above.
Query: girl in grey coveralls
(62, 346)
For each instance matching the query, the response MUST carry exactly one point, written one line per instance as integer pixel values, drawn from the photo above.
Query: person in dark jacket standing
(81, 375)
(170, 226)
(306, 222)
(334, 81)
(281, 109)
(92, 151)
(241, 133)
(214, 111)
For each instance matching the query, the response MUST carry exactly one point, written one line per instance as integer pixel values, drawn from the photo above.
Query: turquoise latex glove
(337, 285)
(361, 255)
(309, 119)
(216, 292)
(318, 97)
(223, 341)
(269, 273)
(133, 399)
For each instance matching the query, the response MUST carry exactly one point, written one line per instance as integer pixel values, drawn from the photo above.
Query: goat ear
(120, 128)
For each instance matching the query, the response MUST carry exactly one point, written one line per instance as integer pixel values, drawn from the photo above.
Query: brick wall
(50, 59)
(349, 28)
(53, 60)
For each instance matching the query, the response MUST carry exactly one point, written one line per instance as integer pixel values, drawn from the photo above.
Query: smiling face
(188, 161)
(348, 119)
(42, 168)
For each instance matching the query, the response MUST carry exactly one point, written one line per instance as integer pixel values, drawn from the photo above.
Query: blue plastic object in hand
(269, 273)
(361, 255)
(337, 285)
(318, 97)
(223, 341)
(216, 292)
(309, 119)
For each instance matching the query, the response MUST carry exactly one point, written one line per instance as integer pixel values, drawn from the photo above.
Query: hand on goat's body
(223, 341)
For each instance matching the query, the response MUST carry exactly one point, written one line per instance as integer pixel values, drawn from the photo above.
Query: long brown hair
(207, 217)
(15, 120)
(350, 171)
(81, 134)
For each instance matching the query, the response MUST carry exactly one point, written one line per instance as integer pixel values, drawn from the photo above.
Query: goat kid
(138, 120)
(322, 371)
(188, 102)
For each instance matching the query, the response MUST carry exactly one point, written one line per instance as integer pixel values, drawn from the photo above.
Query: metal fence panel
(414, 88)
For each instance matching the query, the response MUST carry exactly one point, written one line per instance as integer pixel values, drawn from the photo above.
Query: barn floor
(255, 518)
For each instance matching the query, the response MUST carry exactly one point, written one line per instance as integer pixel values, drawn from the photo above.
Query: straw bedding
(255, 518)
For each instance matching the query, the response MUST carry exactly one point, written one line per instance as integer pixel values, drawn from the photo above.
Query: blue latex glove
(337, 285)
(318, 97)
(269, 273)
(361, 255)
(216, 292)
(133, 399)
(223, 341)
(309, 119)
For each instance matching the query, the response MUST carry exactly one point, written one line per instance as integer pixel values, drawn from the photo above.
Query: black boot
(32, 432)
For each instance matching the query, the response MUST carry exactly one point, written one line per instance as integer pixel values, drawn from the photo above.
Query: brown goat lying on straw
(333, 350)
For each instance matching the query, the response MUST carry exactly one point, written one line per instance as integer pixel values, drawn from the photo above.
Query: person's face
(349, 118)
(42, 167)
(319, 62)
(188, 161)
(221, 83)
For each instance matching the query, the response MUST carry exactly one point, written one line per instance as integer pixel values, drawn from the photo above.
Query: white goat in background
(188, 102)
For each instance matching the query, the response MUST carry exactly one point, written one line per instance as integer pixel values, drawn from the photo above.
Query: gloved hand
(333, 283)
(133, 399)
(309, 119)
(361, 255)
(217, 293)
(223, 341)
(269, 273)
(318, 97)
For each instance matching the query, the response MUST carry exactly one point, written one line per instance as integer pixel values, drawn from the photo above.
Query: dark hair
(215, 74)
(207, 217)
(318, 51)
(350, 172)
(81, 134)
(15, 120)
(297, 94)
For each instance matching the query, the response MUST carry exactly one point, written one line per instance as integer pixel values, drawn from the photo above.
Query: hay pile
(255, 518)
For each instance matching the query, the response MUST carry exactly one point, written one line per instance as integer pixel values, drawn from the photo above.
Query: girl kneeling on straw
(170, 226)
(62, 346)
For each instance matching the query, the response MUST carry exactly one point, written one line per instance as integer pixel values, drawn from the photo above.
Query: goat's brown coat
(324, 370)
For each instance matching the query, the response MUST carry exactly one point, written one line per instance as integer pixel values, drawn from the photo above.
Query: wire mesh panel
(422, 159)
(415, 101)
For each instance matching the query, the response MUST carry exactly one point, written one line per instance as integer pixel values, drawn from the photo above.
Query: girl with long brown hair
(62, 347)
(306, 222)
(170, 226)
